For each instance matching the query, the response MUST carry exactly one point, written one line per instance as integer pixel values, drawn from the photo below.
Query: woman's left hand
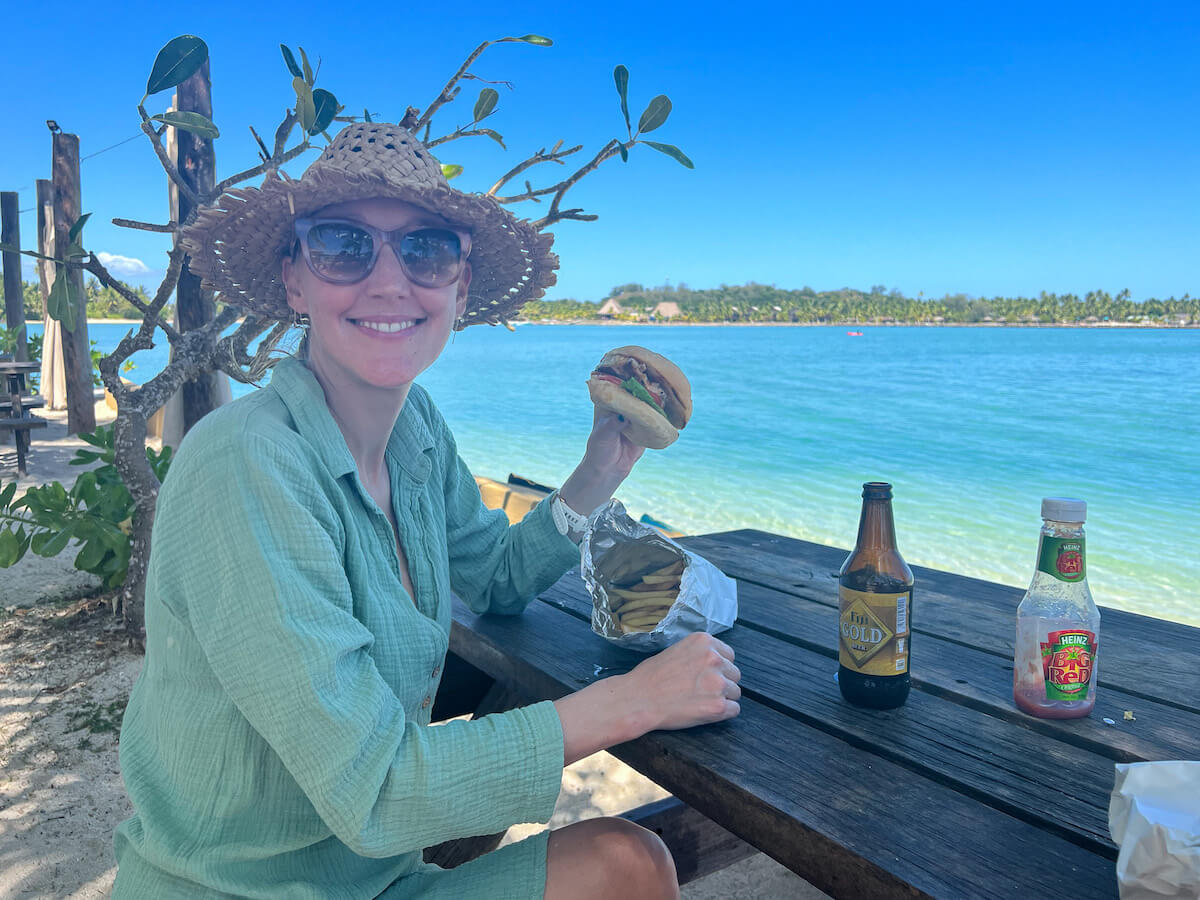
(607, 461)
(608, 447)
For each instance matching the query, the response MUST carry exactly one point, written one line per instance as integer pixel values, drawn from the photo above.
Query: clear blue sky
(995, 149)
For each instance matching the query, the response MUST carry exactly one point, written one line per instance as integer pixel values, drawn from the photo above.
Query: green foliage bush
(96, 511)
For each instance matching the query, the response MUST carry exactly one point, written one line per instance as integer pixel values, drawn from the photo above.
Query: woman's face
(344, 348)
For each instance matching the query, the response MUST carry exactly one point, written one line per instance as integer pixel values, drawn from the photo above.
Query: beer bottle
(875, 609)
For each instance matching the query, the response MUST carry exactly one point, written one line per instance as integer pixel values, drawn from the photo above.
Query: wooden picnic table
(15, 413)
(957, 794)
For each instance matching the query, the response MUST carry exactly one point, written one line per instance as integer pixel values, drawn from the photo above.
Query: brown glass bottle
(875, 609)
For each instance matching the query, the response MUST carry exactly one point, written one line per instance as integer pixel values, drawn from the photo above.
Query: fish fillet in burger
(647, 389)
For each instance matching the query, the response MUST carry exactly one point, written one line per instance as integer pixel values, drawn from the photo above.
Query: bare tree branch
(97, 268)
(269, 166)
(169, 228)
(609, 150)
(447, 93)
(455, 135)
(263, 153)
(507, 84)
(172, 172)
(541, 156)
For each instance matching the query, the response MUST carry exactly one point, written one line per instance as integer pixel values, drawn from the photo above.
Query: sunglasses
(342, 252)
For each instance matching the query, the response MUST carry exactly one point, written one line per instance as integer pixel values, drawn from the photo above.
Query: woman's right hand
(692, 682)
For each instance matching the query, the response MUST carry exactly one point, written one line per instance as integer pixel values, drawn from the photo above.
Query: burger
(647, 389)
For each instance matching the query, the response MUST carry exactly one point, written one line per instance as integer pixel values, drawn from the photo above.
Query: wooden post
(14, 300)
(196, 161)
(53, 383)
(77, 359)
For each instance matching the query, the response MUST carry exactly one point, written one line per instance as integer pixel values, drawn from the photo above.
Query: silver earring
(301, 321)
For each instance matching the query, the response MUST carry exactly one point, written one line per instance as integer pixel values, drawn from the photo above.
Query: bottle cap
(1063, 509)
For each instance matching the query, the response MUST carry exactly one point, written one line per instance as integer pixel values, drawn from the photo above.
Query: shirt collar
(305, 400)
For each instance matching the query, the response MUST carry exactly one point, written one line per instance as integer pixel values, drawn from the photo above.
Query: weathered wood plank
(964, 675)
(698, 845)
(850, 822)
(1020, 772)
(76, 350)
(979, 614)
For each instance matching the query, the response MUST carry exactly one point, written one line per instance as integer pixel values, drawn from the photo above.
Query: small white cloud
(123, 265)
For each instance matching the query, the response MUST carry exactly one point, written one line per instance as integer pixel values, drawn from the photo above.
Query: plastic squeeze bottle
(1058, 624)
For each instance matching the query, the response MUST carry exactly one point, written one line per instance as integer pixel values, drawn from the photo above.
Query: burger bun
(643, 426)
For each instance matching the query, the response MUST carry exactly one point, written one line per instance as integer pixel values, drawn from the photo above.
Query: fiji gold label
(873, 632)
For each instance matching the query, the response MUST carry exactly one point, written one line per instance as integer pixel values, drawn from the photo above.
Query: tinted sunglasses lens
(340, 252)
(432, 256)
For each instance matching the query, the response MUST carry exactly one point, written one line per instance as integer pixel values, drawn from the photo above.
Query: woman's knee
(622, 856)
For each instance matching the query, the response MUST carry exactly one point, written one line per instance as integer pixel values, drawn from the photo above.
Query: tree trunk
(129, 443)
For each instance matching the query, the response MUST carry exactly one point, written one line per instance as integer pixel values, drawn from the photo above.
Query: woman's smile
(387, 328)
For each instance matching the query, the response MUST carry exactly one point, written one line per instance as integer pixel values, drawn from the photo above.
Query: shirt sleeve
(272, 610)
(495, 566)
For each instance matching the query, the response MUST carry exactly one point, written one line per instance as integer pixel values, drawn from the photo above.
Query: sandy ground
(65, 676)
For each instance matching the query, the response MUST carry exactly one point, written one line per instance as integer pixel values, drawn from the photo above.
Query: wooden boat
(518, 496)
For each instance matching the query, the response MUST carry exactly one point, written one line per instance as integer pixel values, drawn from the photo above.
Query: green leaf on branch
(176, 62)
(306, 110)
(91, 556)
(10, 548)
(50, 543)
(494, 136)
(308, 72)
(75, 229)
(12, 248)
(536, 39)
(366, 116)
(656, 113)
(289, 60)
(623, 150)
(325, 107)
(672, 151)
(488, 98)
(621, 77)
(6, 495)
(189, 121)
(451, 171)
(59, 305)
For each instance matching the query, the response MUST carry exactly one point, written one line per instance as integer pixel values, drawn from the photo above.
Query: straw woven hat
(238, 245)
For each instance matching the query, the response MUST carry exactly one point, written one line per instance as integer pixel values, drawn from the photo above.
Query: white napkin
(1154, 816)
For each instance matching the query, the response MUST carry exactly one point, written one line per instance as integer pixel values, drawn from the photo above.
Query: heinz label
(1063, 558)
(873, 632)
(1068, 659)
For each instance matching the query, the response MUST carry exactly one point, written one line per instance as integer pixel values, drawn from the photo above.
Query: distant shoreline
(803, 324)
(863, 324)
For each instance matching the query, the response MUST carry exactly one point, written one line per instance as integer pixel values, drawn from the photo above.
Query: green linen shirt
(277, 742)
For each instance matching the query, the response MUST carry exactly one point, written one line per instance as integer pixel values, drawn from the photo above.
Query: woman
(305, 546)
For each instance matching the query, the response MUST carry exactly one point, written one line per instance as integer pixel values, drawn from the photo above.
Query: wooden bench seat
(34, 402)
(21, 426)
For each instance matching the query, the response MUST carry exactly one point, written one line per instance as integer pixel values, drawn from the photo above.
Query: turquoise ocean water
(973, 426)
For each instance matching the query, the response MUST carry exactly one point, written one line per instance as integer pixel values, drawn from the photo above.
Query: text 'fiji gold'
(863, 634)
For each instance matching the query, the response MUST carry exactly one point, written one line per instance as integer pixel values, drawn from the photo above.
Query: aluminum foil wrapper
(614, 547)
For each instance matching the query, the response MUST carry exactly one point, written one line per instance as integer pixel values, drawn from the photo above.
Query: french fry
(642, 620)
(637, 608)
(626, 594)
(660, 579)
(675, 568)
(632, 629)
